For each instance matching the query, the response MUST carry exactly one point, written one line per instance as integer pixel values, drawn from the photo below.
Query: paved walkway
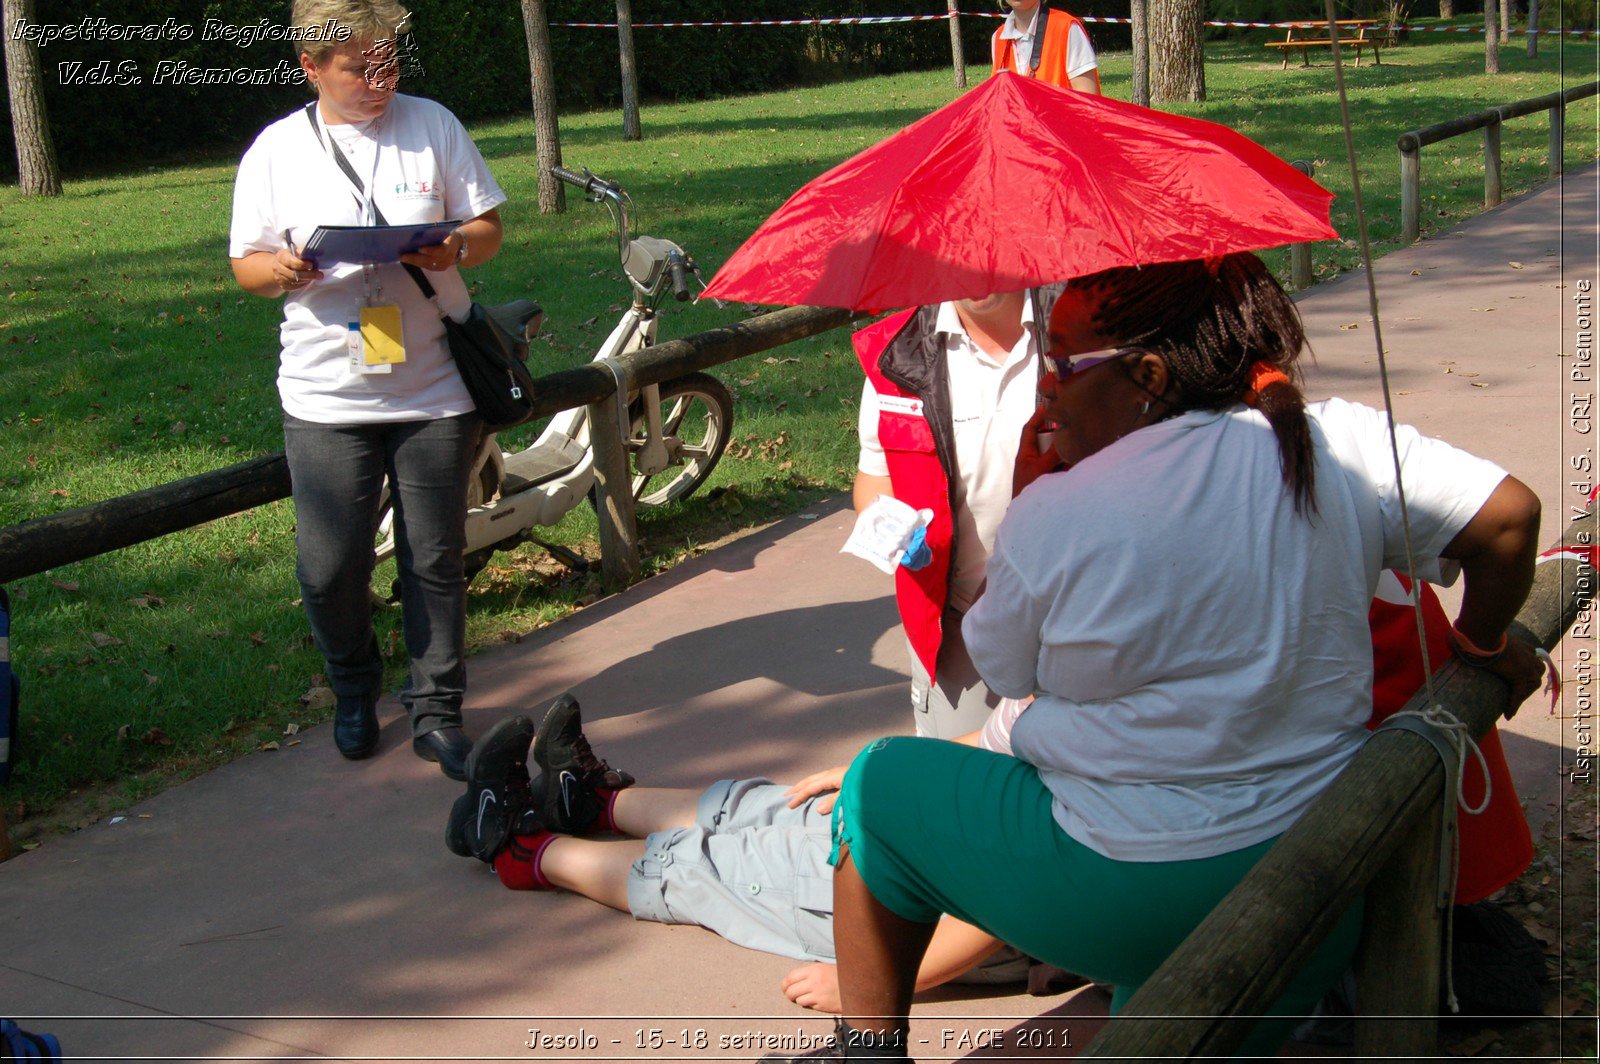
(293, 905)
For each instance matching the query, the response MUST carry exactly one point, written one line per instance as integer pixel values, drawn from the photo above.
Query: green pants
(934, 827)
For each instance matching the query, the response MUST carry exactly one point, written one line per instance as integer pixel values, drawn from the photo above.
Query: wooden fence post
(1410, 189)
(958, 56)
(1300, 254)
(1398, 962)
(1140, 25)
(619, 528)
(1491, 162)
(1558, 124)
(630, 71)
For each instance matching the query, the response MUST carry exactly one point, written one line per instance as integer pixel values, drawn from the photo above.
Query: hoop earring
(1145, 409)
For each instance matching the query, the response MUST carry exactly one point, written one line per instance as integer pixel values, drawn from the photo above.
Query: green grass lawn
(131, 360)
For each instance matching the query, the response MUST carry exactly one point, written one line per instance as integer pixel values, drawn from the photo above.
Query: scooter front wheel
(697, 412)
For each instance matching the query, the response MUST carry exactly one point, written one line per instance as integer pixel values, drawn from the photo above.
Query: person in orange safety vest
(1044, 42)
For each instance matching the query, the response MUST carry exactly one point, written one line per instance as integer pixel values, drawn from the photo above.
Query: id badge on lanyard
(375, 341)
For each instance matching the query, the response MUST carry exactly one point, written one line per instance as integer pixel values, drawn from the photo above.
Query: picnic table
(1357, 33)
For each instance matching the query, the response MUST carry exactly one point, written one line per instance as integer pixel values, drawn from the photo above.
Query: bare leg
(640, 810)
(597, 870)
(879, 953)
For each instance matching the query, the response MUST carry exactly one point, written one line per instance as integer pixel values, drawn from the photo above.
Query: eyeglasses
(1064, 366)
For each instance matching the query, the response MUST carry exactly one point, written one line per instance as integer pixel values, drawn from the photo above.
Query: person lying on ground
(747, 859)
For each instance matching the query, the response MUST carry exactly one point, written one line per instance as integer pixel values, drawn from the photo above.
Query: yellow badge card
(380, 336)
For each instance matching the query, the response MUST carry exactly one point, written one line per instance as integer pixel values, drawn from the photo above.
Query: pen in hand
(294, 272)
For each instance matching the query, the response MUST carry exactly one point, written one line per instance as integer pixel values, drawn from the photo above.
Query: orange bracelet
(1471, 652)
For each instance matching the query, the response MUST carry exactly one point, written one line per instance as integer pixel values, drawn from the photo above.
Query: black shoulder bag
(492, 360)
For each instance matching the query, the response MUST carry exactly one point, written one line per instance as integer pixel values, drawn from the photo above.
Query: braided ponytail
(1228, 333)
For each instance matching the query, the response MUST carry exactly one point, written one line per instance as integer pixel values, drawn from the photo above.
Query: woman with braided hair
(1185, 595)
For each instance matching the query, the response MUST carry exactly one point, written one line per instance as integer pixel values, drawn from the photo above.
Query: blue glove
(917, 555)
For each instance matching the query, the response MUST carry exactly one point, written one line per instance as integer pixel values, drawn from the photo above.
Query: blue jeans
(338, 472)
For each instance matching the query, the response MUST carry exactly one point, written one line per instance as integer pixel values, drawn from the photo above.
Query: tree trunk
(546, 130)
(1141, 51)
(37, 172)
(1533, 29)
(630, 71)
(958, 56)
(1180, 66)
(1506, 8)
(1491, 37)
(1447, 8)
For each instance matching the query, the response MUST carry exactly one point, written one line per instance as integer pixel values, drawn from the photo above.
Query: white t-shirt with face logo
(422, 167)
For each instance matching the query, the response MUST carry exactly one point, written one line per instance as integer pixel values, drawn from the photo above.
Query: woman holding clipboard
(368, 387)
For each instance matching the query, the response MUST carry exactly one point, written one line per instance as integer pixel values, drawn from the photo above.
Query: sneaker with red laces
(569, 790)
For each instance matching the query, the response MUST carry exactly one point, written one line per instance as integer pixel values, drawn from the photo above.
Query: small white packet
(883, 531)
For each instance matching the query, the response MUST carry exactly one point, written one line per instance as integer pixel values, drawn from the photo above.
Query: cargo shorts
(751, 869)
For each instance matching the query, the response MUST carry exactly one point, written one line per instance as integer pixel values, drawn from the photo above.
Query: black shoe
(448, 746)
(455, 828)
(497, 786)
(568, 800)
(355, 724)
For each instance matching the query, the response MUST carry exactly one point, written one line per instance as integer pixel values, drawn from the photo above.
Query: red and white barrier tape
(856, 20)
(884, 20)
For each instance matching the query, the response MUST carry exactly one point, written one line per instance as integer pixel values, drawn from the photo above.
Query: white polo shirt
(990, 401)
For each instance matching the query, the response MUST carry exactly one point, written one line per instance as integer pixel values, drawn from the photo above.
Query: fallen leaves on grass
(101, 640)
(317, 698)
(146, 601)
(155, 737)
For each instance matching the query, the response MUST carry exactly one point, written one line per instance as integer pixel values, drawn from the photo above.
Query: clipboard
(337, 245)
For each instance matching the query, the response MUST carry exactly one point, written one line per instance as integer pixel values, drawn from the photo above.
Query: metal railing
(1490, 121)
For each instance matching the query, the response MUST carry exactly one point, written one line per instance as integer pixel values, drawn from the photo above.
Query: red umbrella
(1016, 184)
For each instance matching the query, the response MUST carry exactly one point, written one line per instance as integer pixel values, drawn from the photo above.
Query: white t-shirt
(990, 401)
(428, 170)
(1201, 652)
(1080, 53)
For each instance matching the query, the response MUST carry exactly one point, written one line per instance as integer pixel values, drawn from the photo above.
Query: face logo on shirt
(415, 190)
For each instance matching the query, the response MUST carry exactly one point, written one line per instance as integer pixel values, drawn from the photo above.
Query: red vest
(905, 361)
(1496, 844)
(1052, 56)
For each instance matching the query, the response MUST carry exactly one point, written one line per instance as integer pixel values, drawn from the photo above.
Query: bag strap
(1041, 22)
(361, 190)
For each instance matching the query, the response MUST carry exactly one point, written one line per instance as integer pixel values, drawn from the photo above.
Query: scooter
(676, 434)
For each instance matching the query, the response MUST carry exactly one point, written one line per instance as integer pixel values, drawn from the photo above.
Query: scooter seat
(540, 464)
(520, 317)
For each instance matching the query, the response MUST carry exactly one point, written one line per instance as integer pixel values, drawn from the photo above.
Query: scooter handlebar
(678, 267)
(586, 180)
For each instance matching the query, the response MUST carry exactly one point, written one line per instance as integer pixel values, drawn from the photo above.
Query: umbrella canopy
(1015, 184)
